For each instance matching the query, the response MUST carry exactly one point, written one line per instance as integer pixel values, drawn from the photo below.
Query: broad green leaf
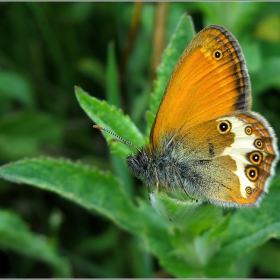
(16, 236)
(95, 191)
(113, 119)
(179, 41)
(86, 186)
(100, 192)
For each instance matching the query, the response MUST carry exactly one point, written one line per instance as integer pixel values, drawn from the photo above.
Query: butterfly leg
(185, 191)
(157, 183)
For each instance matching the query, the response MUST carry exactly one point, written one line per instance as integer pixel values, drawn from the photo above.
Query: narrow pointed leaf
(113, 119)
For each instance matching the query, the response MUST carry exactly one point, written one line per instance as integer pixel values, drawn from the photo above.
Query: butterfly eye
(143, 161)
(217, 54)
(248, 130)
(255, 158)
(224, 127)
(258, 143)
(252, 173)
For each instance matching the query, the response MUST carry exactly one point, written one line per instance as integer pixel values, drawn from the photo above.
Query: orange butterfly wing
(211, 73)
(204, 138)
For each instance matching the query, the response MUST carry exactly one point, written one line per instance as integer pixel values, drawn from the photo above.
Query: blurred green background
(48, 48)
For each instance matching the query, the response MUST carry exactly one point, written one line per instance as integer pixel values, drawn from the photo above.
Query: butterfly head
(138, 164)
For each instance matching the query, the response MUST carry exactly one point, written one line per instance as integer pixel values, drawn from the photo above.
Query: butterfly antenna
(120, 139)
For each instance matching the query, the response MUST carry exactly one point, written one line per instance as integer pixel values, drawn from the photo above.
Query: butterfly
(205, 140)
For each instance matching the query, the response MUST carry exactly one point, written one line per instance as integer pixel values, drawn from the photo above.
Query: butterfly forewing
(209, 80)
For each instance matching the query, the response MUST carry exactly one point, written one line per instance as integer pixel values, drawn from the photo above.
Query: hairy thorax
(159, 166)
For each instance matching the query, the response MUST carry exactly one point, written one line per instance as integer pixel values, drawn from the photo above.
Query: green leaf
(112, 86)
(197, 236)
(17, 137)
(247, 229)
(16, 236)
(159, 236)
(86, 186)
(98, 191)
(94, 190)
(181, 38)
(191, 217)
(114, 120)
(16, 87)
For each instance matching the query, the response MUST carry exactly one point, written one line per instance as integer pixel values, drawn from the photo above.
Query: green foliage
(21, 89)
(48, 132)
(16, 236)
(111, 118)
(85, 222)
